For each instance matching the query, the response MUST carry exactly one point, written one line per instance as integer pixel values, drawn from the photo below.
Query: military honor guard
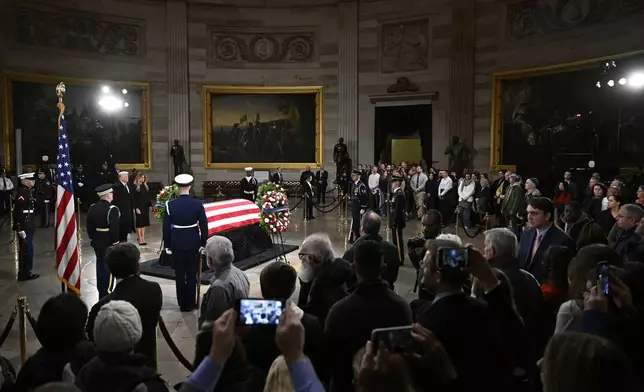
(124, 200)
(24, 223)
(103, 230)
(249, 186)
(44, 196)
(359, 203)
(397, 219)
(185, 232)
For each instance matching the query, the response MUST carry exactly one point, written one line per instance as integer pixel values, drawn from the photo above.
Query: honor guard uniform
(24, 222)
(185, 231)
(103, 230)
(249, 186)
(397, 219)
(44, 195)
(359, 203)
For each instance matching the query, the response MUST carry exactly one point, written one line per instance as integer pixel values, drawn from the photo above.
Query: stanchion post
(388, 210)
(305, 208)
(456, 212)
(199, 269)
(16, 257)
(22, 328)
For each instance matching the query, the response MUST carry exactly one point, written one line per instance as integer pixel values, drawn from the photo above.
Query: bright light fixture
(636, 80)
(622, 81)
(124, 91)
(598, 84)
(105, 89)
(126, 104)
(110, 103)
(611, 83)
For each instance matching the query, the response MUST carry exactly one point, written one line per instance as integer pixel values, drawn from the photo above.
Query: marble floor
(182, 326)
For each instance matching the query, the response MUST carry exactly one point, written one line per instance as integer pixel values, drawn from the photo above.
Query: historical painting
(106, 121)
(404, 45)
(263, 127)
(562, 118)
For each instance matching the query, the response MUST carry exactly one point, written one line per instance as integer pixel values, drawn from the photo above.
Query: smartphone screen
(602, 277)
(396, 339)
(259, 311)
(449, 258)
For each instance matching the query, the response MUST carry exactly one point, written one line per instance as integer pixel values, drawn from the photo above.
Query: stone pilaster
(461, 108)
(348, 77)
(178, 98)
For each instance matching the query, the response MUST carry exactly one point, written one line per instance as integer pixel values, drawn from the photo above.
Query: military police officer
(248, 186)
(359, 202)
(397, 219)
(44, 196)
(103, 230)
(185, 231)
(24, 222)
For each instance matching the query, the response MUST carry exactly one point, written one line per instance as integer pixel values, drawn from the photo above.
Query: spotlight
(124, 91)
(110, 103)
(636, 80)
(105, 89)
(611, 83)
(622, 81)
(598, 84)
(126, 104)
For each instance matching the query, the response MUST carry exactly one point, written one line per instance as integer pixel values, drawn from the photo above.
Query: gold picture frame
(9, 77)
(496, 106)
(208, 90)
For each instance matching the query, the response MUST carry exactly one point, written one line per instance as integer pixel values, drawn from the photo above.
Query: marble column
(461, 109)
(178, 89)
(348, 77)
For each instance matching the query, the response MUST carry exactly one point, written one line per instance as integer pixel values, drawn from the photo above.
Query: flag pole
(60, 91)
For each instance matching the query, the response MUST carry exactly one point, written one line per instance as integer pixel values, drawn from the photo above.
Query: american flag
(230, 214)
(67, 259)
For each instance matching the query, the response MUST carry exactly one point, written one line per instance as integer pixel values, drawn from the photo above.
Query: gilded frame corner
(208, 90)
(8, 136)
(496, 103)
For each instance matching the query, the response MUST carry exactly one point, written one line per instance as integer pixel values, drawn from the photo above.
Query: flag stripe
(231, 214)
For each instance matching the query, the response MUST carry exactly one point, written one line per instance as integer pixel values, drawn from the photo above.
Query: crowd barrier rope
(173, 347)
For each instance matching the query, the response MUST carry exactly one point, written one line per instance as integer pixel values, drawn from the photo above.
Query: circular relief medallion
(264, 48)
(300, 49)
(227, 49)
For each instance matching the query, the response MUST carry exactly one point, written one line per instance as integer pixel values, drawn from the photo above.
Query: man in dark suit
(540, 235)
(145, 296)
(277, 177)
(371, 305)
(310, 194)
(305, 174)
(397, 219)
(123, 199)
(321, 182)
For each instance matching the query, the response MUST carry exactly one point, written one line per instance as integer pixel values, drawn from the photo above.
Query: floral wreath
(167, 193)
(273, 201)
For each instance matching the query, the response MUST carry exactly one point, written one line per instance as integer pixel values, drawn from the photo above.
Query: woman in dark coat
(142, 200)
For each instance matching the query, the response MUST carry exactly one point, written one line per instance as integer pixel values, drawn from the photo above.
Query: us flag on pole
(67, 260)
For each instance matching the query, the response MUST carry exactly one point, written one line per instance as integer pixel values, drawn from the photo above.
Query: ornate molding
(404, 45)
(402, 85)
(54, 29)
(532, 18)
(230, 47)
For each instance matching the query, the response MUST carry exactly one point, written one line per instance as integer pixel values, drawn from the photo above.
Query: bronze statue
(178, 157)
(459, 156)
(340, 155)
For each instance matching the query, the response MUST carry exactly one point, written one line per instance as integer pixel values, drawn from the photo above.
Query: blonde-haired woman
(142, 199)
(279, 378)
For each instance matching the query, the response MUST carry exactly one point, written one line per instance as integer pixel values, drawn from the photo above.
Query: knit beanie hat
(117, 327)
(533, 181)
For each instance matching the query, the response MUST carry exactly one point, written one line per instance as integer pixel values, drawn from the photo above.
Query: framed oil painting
(98, 130)
(262, 127)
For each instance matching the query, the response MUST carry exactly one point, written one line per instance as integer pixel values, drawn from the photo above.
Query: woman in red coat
(562, 197)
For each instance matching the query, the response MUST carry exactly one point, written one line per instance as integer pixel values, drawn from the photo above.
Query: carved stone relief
(531, 18)
(230, 47)
(78, 32)
(404, 45)
(402, 85)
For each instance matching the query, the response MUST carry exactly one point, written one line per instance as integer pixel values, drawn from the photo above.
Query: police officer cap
(356, 172)
(27, 176)
(103, 190)
(396, 178)
(183, 180)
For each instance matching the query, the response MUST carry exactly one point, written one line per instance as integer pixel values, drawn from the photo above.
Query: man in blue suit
(540, 235)
(185, 231)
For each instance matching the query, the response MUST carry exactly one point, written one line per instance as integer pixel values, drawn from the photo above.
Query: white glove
(361, 212)
(202, 250)
(168, 251)
(22, 234)
(80, 184)
(138, 212)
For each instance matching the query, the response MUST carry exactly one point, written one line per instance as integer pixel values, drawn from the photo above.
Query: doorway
(394, 124)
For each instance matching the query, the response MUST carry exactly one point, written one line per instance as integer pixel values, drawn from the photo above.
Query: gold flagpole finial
(60, 90)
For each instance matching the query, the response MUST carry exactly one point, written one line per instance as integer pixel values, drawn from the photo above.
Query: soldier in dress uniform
(248, 186)
(185, 231)
(104, 175)
(359, 203)
(24, 222)
(80, 188)
(44, 196)
(397, 219)
(103, 230)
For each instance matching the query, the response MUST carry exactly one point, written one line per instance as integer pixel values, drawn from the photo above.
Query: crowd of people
(552, 302)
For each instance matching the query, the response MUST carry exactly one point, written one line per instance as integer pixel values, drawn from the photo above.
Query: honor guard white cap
(27, 176)
(248, 169)
(184, 179)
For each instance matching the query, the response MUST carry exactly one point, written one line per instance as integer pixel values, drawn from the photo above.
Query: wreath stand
(276, 237)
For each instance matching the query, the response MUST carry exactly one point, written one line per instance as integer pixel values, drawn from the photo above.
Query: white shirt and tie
(5, 184)
(445, 186)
